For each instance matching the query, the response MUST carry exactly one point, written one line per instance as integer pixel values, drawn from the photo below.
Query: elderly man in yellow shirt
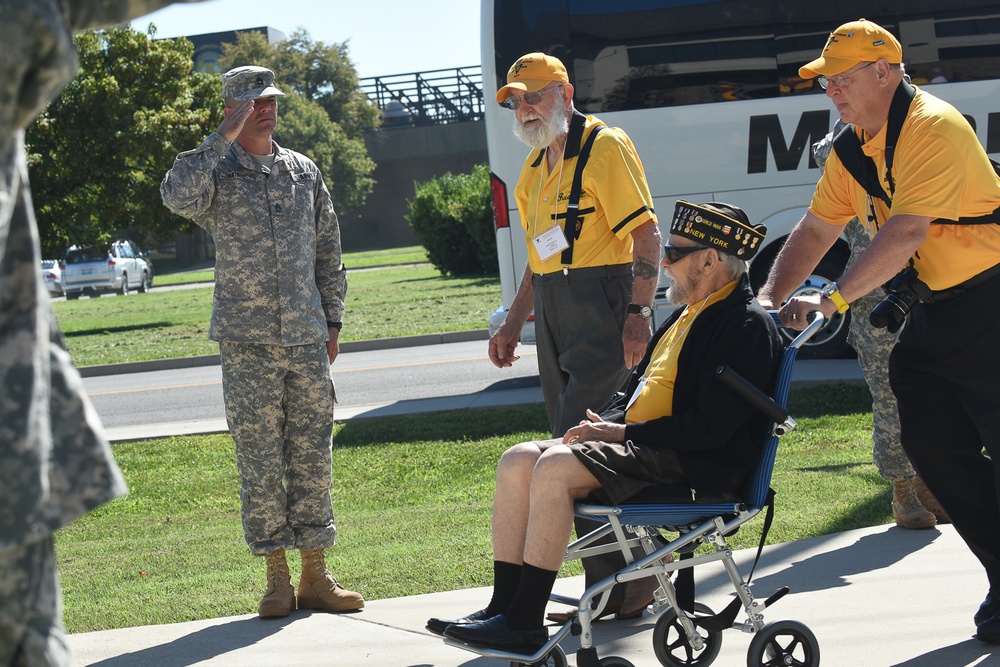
(930, 199)
(675, 424)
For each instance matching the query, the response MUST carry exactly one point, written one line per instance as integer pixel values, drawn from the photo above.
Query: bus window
(642, 55)
(960, 42)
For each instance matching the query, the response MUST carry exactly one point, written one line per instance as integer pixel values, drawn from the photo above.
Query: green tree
(98, 152)
(304, 126)
(317, 71)
(452, 215)
(323, 114)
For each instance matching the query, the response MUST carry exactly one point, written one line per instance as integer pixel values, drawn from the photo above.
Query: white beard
(543, 134)
(678, 294)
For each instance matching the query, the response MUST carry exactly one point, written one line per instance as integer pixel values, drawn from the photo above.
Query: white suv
(112, 268)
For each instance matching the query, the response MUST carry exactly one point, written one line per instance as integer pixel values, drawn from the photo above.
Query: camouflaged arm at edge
(331, 276)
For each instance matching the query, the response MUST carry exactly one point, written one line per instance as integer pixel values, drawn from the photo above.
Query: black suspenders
(572, 227)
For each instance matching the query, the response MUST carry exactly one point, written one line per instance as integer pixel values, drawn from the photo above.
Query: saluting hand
(236, 117)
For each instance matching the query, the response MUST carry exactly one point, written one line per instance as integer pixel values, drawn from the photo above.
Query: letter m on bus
(766, 131)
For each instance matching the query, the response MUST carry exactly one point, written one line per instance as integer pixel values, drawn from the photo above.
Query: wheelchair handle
(752, 394)
(816, 321)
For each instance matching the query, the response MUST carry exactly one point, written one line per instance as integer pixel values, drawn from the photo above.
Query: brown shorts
(624, 468)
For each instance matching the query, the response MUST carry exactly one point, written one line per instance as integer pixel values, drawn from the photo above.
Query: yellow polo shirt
(941, 171)
(614, 200)
(656, 393)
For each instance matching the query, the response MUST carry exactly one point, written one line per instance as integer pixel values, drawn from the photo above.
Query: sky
(384, 37)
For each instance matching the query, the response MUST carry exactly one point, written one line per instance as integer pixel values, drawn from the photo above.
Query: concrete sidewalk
(877, 597)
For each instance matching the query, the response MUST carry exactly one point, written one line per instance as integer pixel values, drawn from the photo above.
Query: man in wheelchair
(674, 424)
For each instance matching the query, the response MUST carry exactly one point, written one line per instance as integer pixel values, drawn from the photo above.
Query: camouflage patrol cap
(248, 83)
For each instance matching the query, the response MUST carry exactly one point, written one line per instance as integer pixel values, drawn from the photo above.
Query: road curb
(350, 346)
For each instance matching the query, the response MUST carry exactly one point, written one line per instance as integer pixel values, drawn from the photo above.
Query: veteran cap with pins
(721, 226)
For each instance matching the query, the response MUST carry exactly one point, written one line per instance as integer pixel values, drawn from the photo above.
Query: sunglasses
(674, 254)
(514, 101)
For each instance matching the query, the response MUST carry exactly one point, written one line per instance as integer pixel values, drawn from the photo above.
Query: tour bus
(709, 92)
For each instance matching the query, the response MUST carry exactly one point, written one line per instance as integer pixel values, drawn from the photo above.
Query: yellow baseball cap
(856, 42)
(532, 72)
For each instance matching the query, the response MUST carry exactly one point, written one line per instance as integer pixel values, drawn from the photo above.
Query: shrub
(452, 215)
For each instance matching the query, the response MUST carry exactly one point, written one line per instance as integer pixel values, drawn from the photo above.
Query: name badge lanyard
(552, 240)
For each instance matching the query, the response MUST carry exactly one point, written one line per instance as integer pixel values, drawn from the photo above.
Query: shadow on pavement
(202, 645)
(969, 653)
(830, 569)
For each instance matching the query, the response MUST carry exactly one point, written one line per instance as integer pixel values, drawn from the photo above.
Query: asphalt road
(367, 378)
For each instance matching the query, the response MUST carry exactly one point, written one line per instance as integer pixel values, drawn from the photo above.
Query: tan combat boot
(906, 509)
(319, 590)
(279, 598)
(930, 503)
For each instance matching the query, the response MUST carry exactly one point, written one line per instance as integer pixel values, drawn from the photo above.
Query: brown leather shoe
(638, 596)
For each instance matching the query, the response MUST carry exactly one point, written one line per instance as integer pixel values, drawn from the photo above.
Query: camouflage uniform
(56, 463)
(279, 281)
(873, 347)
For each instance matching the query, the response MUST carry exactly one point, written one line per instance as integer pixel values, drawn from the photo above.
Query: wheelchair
(686, 633)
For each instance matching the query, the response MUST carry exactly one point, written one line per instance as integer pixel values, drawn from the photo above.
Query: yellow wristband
(832, 292)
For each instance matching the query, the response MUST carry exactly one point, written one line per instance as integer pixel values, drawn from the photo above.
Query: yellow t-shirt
(941, 171)
(614, 200)
(656, 392)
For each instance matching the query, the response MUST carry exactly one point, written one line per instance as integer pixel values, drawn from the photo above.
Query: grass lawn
(186, 278)
(412, 497)
(403, 300)
(353, 260)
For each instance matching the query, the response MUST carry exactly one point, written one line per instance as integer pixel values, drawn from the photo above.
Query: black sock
(527, 610)
(506, 578)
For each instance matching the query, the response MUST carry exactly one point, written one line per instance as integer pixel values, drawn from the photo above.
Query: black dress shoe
(437, 625)
(495, 634)
(989, 630)
(988, 609)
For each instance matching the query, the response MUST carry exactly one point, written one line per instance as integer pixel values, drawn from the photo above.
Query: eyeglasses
(514, 101)
(674, 254)
(839, 80)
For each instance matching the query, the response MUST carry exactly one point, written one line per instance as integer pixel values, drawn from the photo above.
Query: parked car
(52, 275)
(100, 270)
(144, 254)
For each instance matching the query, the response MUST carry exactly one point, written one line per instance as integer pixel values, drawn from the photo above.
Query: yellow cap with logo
(856, 42)
(532, 72)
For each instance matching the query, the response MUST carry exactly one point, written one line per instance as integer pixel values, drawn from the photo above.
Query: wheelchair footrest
(781, 592)
(724, 619)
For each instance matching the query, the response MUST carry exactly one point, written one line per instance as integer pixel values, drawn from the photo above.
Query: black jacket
(717, 435)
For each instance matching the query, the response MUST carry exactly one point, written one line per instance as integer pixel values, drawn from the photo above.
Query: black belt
(586, 273)
(963, 287)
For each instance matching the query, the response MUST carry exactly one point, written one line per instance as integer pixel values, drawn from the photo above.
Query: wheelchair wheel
(671, 644)
(784, 643)
(614, 661)
(557, 658)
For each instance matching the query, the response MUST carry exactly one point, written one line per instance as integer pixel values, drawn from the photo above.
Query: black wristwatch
(645, 312)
